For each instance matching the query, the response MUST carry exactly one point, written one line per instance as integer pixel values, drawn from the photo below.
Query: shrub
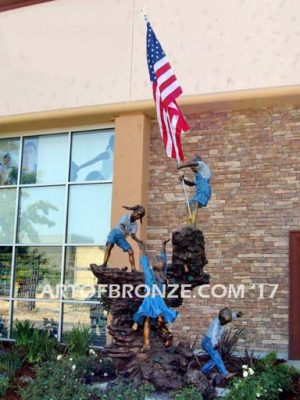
(88, 369)
(36, 344)
(228, 342)
(126, 390)
(268, 382)
(22, 332)
(188, 393)
(10, 363)
(4, 385)
(77, 340)
(58, 380)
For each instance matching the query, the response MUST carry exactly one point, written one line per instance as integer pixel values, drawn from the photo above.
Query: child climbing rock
(154, 306)
(203, 189)
(210, 342)
(126, 226)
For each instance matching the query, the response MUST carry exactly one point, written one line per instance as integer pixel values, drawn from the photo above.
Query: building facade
(78, 123)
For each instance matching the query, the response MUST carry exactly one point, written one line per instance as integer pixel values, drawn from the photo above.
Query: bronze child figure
(203, 189)
(126, 226)
(154, 308)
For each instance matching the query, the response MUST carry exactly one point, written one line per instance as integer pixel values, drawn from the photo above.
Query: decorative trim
(79, 116)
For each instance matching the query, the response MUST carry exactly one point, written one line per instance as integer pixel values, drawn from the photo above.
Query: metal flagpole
(184, 188)
(178, 165)
(145, 16)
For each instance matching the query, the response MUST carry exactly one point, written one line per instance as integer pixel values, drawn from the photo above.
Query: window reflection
(92, 156)
(7, 215)
(41, 215)
(9, 159)
(92, 316)
(4, 316)
(78, 277)
(44, 315)
(5, 270)
(89, 213)
(44, 159)
(37, 272)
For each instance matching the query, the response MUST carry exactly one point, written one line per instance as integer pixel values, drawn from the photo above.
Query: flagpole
(145, 16)
(184, 189)
(178, 165)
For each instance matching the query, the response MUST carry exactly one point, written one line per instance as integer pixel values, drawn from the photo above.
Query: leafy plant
(248, 358)
(34, 343)
(87, 368)
(126, 390)
(267, 382)
(4, 385)
(58, 380)
(188, 393)
(22, 332)
(77, 340)
(10, 363)
(228, 342)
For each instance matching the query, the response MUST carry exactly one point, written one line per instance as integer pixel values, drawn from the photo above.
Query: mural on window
(92, 157)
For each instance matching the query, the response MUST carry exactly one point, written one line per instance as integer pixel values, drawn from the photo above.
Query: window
(55, 197)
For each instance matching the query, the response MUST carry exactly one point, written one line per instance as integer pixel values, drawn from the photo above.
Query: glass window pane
(9, 161)
(7, 215)
(89, 213)
(41, 215)
(37, 272)
(44, 159)
(78, 277)
(92, 156)
(43, 315)
(4, 316)
(90, 315)
(5, 270)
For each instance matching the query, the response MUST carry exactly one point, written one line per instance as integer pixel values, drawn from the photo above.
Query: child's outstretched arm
(164, 244)
(188, 165)
(140, 244)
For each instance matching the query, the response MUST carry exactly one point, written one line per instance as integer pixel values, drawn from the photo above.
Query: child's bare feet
(145, 348)
(169, 341)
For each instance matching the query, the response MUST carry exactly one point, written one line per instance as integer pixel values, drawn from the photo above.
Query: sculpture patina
(146, 353)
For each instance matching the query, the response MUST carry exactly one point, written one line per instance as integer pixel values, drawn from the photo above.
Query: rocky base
(166, 368)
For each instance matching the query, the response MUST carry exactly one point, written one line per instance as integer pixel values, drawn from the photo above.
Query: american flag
(165, 91)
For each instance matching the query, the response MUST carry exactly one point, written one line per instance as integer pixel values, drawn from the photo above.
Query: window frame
(11, 299)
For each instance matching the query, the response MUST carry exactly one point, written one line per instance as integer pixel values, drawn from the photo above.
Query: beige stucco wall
(72, 53)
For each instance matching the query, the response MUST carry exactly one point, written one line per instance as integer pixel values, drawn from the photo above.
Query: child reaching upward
(203, 189)
(126, 226)
(154, 306)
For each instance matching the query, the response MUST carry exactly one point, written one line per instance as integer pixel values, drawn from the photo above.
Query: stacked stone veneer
(255, 158)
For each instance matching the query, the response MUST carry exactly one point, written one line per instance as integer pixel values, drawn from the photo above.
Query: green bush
(126, 390)
(35, 343)
(188, 393)
(77, 340)
(268, 382)
(58, 379)
(10, 363)
(22, 332)
(88, 368)
(4, 385)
